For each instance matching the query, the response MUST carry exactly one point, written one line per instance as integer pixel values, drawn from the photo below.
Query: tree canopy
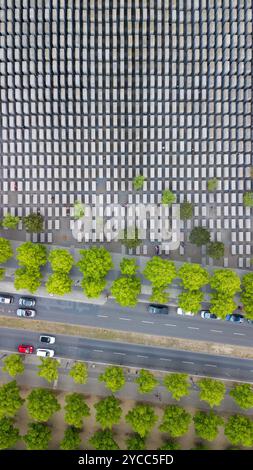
(9, 435)
(126, 290)
(93, 289)
(146, 381)
(42, 404)
(221, 305)
(14, 364)
(113, 377)
(207, 425)
(160, 272)
(103, 440)
(190, 301)
(37, 437)
(135, 442)
(200, 236)
(28, 279)
(10, 221)
(215, 250)
(33, 223)
(48, 369)
(138, 182)
(79, 372)
(248, 199)
(71, 439)
(128, 266)
(76, 409)
(59, 283)
(177, 384)
(10, 399)
(225, 281)
(95, 263)
(193, 276)
(186, 210)
(32, 255)
(168, 197)
(176, 421)
(159, 295)
(212, 391)
(247, 294)
(61, 260)
(170, 445)
(239, 430)
(6, 251)
(108, 412)
(243, 395)
(212, 184)
(142, 418)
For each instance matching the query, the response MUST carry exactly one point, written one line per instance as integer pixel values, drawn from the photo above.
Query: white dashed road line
(145, 357)
(150, 322)
(127, 319)
(119, 353)
(169, 324)
(210, 365)
(98, 350)
(216, 331)
(102, 316)
(239, 334)
(164, 359)
(187, 362)
(192, 328)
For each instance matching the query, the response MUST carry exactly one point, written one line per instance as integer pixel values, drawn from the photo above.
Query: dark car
(6, 299)
(158, 309)
(26, 302)
(234, 317)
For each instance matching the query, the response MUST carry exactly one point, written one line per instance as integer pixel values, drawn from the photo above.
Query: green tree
(71, 439)
(221, 305)
(108, 412)
(159, 295)
(200, 446)
(207, 424)
(42, 404)
(190, 301)
(126, 290)
(10, 221)
(14, 365)
(95, 263)
(93, 289)
(48, 369)
(9, 435)
(175, 421)
(212, 391)
(10, 399)
(37, 437)
(177, 384)
(142, 418)
(243, 395)
(186, 210)
(28, 279)
(215, 250)
(76, 409)
(135, 442)
(79, 210)
(113, 377)
(32, 255)
(59, 284)
(128, 266)
(193, 276)
(103, 440)
(168, 197)
(212, 185)
(247, 294)
(79, 372)
(6, 251)
(130, 238)
(138, 182)
(33, 223)
(2, 273)
(146, 381)
(170, 445)
(160, 272)
(61, 260)
(199, 236)
(248, 199)
(225, 281)
(239, 430)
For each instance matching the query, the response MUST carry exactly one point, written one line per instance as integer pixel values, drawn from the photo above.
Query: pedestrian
(157, 250)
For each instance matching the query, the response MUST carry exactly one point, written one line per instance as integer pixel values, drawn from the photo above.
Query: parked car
(234, 317)
(158, 309)
(47, 339)
(208, 315)
(249, 321)
(6, 299)
(25, 349)
(45, 352)
(180, 311)
(26, 302)
(26, 312)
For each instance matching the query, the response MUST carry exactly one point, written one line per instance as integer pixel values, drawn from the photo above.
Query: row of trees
(96, 262)
(33, 223)
(42, 404)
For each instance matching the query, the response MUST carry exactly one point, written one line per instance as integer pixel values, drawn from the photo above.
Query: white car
(180, 311)
(47, 339)
(26, 312)
(45, 352)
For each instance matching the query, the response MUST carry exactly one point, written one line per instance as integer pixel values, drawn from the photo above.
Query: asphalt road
(112, 316)
(135, 355)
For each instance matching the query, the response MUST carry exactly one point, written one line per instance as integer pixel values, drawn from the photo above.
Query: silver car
(26, 312)
(47, 339)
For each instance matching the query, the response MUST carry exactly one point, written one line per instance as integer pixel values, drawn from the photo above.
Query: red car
(25, 349)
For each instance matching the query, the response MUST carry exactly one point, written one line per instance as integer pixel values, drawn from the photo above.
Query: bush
(33, 223)
(168, 197)
(212, 185)
(199, 236)
(71, 440)
(186, 210)
(10, 221)
(138, 182)
(14, 365)
(37, 437)
(248, 199)
(215, 250)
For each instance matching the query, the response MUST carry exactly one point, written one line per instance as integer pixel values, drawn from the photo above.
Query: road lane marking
(146, 357)
(125, 318)
(210, 365)
(192, 328)
(151, 322)
(119, 353)
(102, 316)
(216, 331)
(187, 362)
(239, 334)
(164, 359)
(169, 324)
(98, 350)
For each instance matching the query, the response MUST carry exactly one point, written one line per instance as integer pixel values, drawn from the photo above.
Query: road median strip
(90, 332)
